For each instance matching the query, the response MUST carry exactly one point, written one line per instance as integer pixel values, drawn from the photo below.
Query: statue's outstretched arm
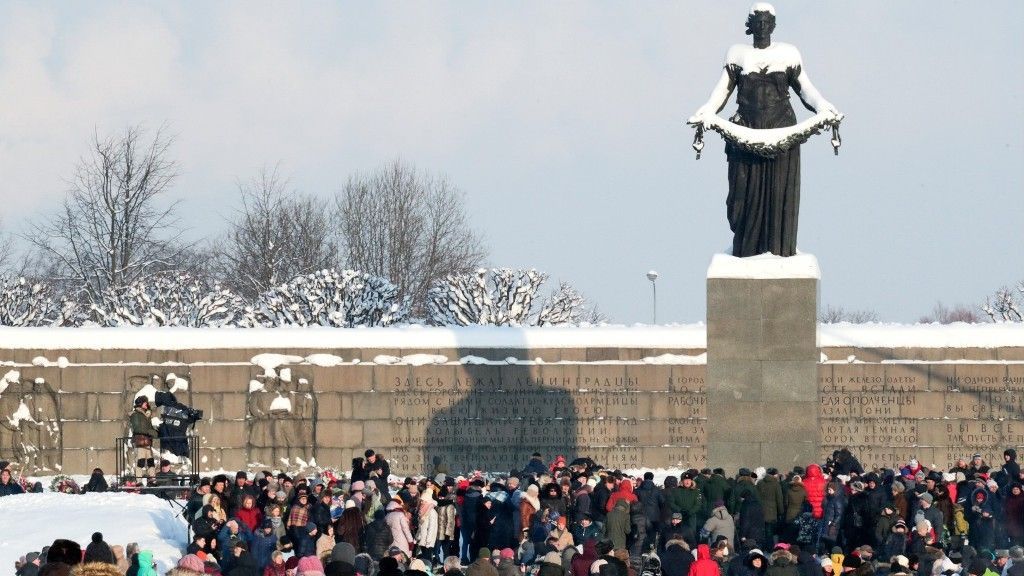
(719, 96)
(810, 96)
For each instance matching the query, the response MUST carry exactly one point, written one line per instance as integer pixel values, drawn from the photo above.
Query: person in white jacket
(398, 521)
(426, 536)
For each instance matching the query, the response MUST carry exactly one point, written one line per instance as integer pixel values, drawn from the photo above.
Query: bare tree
(277, 235)
(407, 226)
(1003, 306)
(836, 314)
(114, 227)
(6, 249)
(943, 314)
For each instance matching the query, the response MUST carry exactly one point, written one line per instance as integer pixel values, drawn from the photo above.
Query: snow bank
(957, 335)
(323, 338)
(764, 267)
(666, 337)
(40, 519)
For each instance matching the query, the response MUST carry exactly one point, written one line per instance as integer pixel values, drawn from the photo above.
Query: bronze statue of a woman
(763, 137)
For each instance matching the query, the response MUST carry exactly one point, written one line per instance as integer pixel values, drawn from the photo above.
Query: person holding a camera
(143, 434)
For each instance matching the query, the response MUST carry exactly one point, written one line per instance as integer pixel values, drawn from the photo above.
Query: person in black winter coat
(96, 483)
(857, 522)
(535, 466)
(750, 524)
(8, 486)
(359, 471)
(244, 564)
(653, 500)
(599, 499)
(676, 559)
(378, 470)
(377, 536)
(320, 513)
(551, 499)
(1010, 465)
(470, 510)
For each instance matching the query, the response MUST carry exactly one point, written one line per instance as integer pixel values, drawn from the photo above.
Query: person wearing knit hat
(508, 553)
(192, 562)
(309, 566)
(98, 550)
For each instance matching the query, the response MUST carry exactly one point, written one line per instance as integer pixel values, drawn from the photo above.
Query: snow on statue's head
(761, 19)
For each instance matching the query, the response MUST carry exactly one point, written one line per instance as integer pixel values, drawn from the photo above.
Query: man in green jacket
(716, 487)
(618, 525)
(143, 436)
(743, 488)
(769, 491)
(687, 500)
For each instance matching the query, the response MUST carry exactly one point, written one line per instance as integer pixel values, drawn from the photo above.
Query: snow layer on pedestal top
(764, 267)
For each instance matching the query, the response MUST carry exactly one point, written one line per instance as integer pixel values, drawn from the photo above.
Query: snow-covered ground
(36, 520)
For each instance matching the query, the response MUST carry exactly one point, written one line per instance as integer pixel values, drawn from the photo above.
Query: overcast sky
(561, 121)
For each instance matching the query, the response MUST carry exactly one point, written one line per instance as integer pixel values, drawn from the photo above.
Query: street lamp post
(652, 276)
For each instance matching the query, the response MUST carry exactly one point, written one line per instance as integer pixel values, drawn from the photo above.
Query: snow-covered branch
(24, 303)
(169, 299)
(1004, 306)
(339, 298)
(503, 297)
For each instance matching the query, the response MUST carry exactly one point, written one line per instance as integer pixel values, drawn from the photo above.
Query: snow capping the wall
(669, 337)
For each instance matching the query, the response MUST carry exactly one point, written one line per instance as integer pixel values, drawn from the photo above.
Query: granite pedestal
(762, 361)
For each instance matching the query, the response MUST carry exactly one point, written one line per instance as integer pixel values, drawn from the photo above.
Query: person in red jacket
(703, 565)
(623, 492)
(249, 513)
(814, 482)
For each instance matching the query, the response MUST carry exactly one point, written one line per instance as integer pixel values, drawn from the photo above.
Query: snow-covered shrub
(24, 303)
(502, 297)
(1004, 306)
(169, 299)
(338, 298)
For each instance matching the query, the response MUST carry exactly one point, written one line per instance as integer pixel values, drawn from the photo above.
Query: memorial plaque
(868, 432)
(906, 377)
(678, 405)
(688, 378)
(836, 403)
(976, 377)
(649, 377)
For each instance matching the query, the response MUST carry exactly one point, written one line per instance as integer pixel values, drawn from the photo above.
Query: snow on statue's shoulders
(764, 266)
(778, 57)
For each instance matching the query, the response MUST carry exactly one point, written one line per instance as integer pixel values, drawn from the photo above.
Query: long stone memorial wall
(627, 408)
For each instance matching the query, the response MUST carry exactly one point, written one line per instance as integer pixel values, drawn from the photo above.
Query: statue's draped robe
(764, 193)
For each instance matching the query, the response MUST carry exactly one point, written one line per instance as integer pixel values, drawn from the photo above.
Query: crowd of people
(580, 519)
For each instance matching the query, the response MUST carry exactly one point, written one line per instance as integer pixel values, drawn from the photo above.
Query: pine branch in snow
(502, 297)
(23, 303)
(338, 298)
(169, 299)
